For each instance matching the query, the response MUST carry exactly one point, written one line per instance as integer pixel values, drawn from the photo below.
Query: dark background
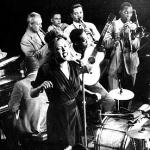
(13, 14)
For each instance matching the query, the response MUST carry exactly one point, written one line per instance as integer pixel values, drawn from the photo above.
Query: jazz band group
(45, 100)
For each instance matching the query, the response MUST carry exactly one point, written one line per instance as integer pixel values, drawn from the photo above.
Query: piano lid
(3, 63)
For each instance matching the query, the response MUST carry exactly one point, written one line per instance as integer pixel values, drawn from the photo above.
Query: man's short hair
(54, 13)
(31, 17)
(125, 4)
(30, 65)
(75, 6)
(75, 35)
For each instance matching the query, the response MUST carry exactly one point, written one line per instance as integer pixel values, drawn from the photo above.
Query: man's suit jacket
(33, 45)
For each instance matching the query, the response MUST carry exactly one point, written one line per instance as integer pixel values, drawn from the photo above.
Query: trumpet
(140, 31)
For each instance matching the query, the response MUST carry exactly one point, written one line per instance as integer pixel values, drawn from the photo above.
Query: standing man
(57, 25)
(32, 42)
(78, 23)
(124, 58)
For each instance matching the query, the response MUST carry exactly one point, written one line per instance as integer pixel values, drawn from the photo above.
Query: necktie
(40, 39)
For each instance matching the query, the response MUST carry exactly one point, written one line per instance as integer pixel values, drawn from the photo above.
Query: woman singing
(60, 79)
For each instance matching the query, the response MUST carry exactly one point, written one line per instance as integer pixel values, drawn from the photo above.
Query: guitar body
(93, 76)
(94, 55)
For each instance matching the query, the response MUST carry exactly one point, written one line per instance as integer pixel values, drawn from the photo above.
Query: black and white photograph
(75, 75)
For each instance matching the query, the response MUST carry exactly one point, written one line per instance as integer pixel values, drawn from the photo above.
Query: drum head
(112, 135)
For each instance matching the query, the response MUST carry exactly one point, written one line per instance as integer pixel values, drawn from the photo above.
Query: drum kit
(123, 132)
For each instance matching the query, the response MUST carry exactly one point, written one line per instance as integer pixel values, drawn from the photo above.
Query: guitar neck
(99, 44)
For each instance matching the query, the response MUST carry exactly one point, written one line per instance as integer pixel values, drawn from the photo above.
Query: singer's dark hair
(50, 39)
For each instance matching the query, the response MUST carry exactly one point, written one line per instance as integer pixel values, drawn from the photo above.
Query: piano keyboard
(7, 61)
(4, 109)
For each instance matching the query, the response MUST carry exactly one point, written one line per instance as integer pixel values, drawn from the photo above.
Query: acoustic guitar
(93, 56)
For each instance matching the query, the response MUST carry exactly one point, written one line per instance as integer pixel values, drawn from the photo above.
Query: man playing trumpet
(124, 58)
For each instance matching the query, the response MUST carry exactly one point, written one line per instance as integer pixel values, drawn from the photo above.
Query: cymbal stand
(120, 87)
(84, 109)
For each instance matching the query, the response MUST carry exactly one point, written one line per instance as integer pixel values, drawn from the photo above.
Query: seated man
(29, 113)
(80, 44)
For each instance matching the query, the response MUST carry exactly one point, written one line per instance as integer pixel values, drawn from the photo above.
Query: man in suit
(78, 23)
(32, 42)
(124, 60)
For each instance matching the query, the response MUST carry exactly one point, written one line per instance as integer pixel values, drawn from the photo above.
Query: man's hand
(46, 85)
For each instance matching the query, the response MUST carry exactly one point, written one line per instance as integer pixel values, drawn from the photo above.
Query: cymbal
(121, 94)
(140, 133)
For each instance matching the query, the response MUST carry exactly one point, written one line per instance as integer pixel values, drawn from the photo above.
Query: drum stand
(121, 94)
(120, 88)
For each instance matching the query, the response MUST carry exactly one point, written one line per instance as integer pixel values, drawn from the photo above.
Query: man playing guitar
(80, 44)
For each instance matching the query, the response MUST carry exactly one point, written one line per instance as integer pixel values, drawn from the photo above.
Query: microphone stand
(84, 109)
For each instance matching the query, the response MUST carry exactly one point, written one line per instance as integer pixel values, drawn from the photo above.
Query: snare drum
(112, 135)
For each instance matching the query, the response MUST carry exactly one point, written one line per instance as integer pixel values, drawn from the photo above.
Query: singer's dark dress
(63, 119)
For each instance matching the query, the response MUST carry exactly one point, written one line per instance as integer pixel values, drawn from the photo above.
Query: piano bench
(34, 141)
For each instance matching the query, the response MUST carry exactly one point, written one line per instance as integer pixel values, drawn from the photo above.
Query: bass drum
(112, 135)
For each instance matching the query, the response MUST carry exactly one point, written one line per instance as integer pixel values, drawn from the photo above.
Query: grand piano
(9, 74)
